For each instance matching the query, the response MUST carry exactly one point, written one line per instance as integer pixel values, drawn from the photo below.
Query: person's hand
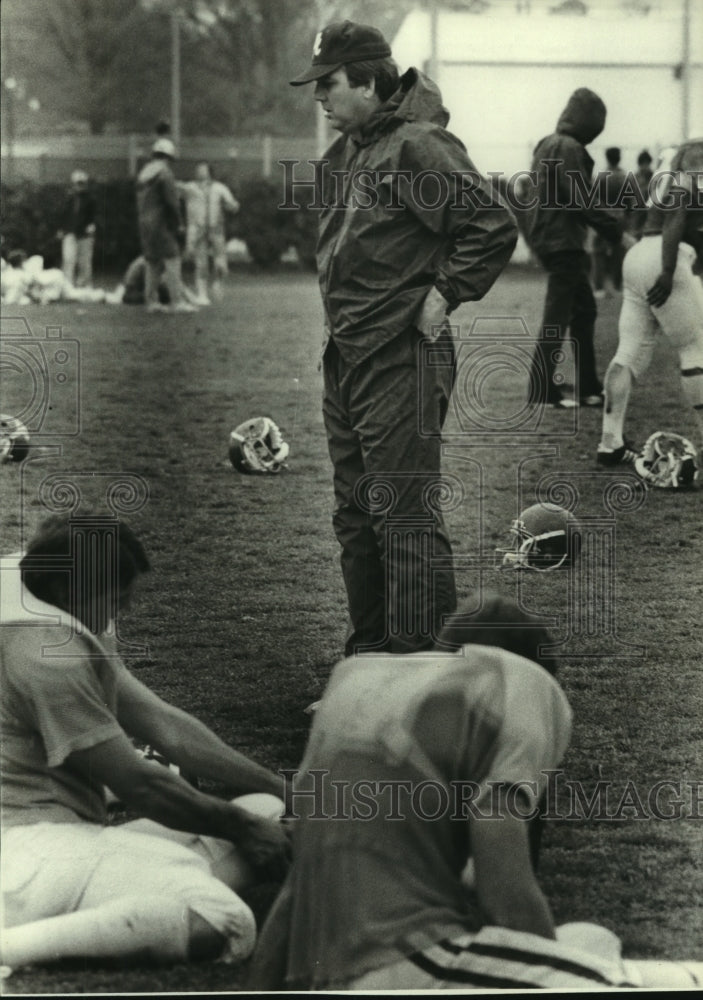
(90, 230)
(660, 290)
(266, 845)
(433, 314)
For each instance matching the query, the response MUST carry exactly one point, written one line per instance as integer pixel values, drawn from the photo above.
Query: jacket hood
(417, 99)
(583, 118)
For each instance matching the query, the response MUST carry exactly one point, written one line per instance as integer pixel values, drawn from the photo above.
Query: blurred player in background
(643, 175)
(163, 887)
(389, 276)
(411, 814)
(608, 256)
(160, 224)
(25, 280)
(131, 290)
(663, 293)
(77, 232)
(207, 201)
(557, 235)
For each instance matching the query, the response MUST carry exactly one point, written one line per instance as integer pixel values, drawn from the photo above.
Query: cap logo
(317, 47)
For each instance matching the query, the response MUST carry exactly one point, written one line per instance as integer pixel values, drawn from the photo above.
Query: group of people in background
(178, 221)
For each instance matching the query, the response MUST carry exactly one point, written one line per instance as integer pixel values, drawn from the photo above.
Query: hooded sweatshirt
(395, 221)
(159, 211)
(563, 170)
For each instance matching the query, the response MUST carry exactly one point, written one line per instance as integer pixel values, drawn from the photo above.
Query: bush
(31, 213)
(31, 216)
(269, 231)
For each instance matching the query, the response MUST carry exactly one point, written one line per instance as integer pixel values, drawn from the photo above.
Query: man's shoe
(595, 400)
(184, 307)
(565, 404)
(624, 455)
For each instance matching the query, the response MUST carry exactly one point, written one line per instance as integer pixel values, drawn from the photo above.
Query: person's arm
(229, 202)
(187, 742)
(507, 889)
(574, 169)
(479, 230)
(171, 200)
(159, 794)
(673, 228)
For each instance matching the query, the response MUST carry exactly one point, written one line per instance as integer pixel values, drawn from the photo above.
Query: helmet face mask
(14, 439)
(668, 461)
(543, 538)
(256, 447)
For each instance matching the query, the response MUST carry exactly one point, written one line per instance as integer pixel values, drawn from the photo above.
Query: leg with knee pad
(618, 386)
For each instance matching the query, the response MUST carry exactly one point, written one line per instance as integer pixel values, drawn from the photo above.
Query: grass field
(244, 613)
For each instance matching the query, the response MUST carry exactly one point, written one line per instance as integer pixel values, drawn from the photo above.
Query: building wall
(505, 79)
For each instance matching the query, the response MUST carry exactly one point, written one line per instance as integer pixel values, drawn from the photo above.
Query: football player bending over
(413, 860)
(162, 887)
(662, 294)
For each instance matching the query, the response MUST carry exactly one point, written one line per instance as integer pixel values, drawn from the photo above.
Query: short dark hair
(499, 621)
(613, 154)
(54, 540)
(16, 258)
(383, 72)
(644, 157)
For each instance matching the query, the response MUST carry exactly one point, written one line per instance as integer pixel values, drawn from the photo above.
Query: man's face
(202, 173)
(346, 108)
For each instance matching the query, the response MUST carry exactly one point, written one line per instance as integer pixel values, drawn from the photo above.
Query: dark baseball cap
(341, 43)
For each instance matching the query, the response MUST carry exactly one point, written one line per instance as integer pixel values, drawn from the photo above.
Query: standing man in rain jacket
(563, 210)
(160, 222)
(408, 230)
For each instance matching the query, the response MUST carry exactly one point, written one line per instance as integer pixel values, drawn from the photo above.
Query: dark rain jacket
(79, 212)
(564, 182)
(385, 237)
(158, 209)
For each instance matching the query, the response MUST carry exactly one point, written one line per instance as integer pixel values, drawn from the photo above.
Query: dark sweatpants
(396, 554)
(569, 305)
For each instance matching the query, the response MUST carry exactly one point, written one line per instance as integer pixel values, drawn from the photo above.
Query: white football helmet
(14, 439)
(668, 461)
(257, 447)
(544, 537)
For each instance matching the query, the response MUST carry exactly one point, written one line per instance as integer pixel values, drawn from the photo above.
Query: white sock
(617, 385)
(155, 929)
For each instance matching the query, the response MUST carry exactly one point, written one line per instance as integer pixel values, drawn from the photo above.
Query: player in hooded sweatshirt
(564, 208)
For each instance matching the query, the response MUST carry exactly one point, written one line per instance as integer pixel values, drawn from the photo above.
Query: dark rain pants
(569, 306)
(383, 419)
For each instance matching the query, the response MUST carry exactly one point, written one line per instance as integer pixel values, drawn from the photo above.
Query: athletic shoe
(624, 455)
(158, 307)
(184, 307)
(565, 404)
(595, 400)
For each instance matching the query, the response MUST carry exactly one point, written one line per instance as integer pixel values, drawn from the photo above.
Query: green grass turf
(244, 612)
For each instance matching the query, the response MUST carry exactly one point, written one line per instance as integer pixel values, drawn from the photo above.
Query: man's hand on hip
(432, 317)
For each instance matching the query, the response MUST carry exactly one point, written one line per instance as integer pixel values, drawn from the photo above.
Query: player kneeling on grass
(163, 887)
(412, 867)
